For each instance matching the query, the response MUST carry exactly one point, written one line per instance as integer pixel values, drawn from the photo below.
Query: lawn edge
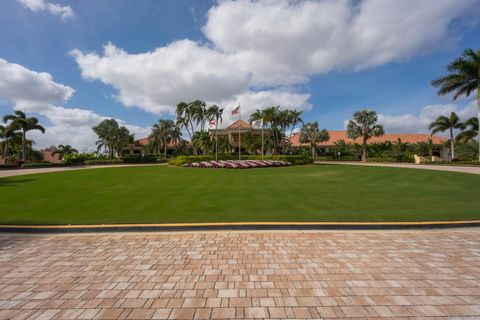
(238, 226)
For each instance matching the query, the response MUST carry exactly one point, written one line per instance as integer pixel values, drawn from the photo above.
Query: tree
(164, 132)
(20, 120)
(8, 134)
(364, 124)
(342, 148)
(214, 113)
(111, 136)
(470, 133)
(63, 150)
(463, 79)
(311, 133)
(443, 123)
(203, 142)
(294, 119)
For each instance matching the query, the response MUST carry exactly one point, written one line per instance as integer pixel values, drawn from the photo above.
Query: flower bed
(238, 164)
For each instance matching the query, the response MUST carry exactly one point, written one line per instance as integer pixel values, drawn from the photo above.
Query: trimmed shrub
(102, 162)
(140, 159)
(9, 166)
(80, 158)
(293, 159)
(40, 165)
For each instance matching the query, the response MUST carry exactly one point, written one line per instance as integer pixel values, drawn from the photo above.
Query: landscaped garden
(166, 194)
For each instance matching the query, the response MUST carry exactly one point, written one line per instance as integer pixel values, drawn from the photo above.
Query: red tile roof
(336, 135)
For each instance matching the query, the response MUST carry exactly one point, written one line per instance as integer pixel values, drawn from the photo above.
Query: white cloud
(251, 101)
(418, 123)
(37, 93)
(157, 81)
(29, 88)
(64, 12)
(270, 46)
(287, 41)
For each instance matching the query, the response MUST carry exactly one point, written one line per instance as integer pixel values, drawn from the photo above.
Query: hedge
(101, 162)
(139, 159)
(454, 163)
(9, 166)
(293, 159)
(40, 165)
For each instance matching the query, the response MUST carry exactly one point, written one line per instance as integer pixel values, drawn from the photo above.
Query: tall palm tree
(311, 133)
(107, 132)
(294, 119)
(470, 133)
(8, 134)
(463, 79)
(199, 113)
(214, 113)
(19, 119)
(443, 123)
(63, 150)
(364, 124)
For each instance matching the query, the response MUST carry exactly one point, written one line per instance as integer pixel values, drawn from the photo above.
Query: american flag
(236, 110)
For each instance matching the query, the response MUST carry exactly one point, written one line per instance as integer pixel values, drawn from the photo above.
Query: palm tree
(63, 150)
(202, 141)
(443, 123)
(214, 113)
(294, 119)
(224, 145)
(463, 79)
(164, 132)
(107, 132)
(342, 147)
(199, 113)
(8, 134)
(19, 119)
(364, 124)
(312, 134)
(123, 138)
(468, 134)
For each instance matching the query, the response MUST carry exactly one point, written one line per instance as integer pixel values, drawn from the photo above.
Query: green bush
(9, 166)
(80, 158)
(390, 159)
(140, 159)
(293, 159)
(337, 158)
(455, 163)
(101, 162)
(40, 165)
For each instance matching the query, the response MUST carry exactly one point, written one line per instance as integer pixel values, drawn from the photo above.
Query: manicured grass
(162, 194)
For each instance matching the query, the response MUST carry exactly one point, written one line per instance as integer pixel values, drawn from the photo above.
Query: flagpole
(239, 135)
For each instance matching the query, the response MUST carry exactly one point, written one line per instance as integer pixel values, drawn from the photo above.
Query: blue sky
(328, 58)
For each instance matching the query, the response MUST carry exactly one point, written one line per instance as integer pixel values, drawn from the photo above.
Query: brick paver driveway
(241, 275)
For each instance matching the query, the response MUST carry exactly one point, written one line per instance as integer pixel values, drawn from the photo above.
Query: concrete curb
(238, 226)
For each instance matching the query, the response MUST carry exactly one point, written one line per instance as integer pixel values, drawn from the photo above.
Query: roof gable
(239, 123)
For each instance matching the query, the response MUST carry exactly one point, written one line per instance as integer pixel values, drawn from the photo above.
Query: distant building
(235, 132)
(337, 135)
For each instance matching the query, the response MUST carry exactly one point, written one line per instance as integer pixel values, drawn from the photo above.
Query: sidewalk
(21, 172)
(464, 169)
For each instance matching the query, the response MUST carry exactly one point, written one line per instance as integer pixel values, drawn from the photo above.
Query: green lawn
(163, 194)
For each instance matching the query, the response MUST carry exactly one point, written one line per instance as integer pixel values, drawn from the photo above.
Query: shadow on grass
(6, 182)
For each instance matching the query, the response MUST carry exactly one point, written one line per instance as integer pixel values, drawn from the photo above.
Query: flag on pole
(236, 110)
(258, 123)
